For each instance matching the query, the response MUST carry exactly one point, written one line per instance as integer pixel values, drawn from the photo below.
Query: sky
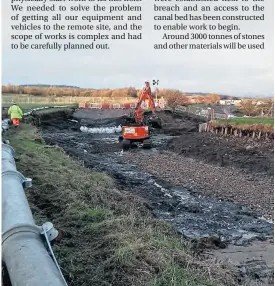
(130, 63)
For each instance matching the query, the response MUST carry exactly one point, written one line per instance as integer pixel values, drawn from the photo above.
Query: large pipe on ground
(5, 125)
(23, 251)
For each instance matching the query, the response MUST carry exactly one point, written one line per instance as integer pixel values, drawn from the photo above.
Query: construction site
(151, 201)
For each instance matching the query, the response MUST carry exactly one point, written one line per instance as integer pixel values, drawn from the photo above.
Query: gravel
(230, 184)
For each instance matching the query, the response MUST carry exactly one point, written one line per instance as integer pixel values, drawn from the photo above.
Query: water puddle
(254, 261)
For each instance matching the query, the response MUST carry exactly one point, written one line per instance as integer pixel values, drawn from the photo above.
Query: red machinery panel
(135, 132)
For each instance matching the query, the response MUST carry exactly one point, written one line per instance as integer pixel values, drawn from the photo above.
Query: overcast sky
(232, 72)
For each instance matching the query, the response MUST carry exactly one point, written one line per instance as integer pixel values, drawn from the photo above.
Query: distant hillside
(48, 85)
(70, 90)
(223, 96)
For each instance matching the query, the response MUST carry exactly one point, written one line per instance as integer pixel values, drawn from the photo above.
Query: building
(230, 102)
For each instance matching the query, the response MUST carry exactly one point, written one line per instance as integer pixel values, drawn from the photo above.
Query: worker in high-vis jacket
(15, 113)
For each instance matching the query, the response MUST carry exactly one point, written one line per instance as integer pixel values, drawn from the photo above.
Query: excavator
(137, 127)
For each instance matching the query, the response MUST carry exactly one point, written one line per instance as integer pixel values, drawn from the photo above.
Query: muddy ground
(247, 154)
(205, 185)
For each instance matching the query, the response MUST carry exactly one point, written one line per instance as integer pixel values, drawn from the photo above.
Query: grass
(249, 120)
(251, 124)
(109, 237)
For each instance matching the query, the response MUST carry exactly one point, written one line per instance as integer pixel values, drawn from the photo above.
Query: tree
(214, 98)
(132, 92)
(266, 107)
(175, 97)
(248, 107)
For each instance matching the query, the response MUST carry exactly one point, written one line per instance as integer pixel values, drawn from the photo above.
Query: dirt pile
(44, 116)
(252, 156)
(175, 124)
(243, 153)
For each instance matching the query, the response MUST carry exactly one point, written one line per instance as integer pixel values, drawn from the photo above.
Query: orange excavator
(137, 128)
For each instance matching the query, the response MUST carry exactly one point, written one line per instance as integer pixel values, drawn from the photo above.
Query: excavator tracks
(126, 144)
(147, 144)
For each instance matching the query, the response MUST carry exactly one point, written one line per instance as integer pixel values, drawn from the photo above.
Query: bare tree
(214, 98)
(248, 107)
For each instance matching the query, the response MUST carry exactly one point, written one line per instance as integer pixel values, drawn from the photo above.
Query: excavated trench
(217, 223)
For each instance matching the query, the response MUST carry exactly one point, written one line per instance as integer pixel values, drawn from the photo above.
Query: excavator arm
(146, 94)
(137, 129)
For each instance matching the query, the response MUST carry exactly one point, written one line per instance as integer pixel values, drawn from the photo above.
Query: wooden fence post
(259, 136)
(225, 131)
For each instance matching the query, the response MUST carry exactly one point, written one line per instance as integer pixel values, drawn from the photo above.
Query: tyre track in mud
(192, 215)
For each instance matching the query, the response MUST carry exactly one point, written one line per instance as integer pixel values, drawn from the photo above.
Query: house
(230, 102)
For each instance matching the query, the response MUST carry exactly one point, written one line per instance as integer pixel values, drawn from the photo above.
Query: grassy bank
(110, 237)
(251, 124)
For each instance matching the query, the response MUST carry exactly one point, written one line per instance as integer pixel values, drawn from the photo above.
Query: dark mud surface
(241, 153)
(193, 215)
(176, 124)
(252, 156)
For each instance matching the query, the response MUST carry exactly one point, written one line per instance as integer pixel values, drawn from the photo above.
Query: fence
(7, 99)
(22, 99)
(201, 112)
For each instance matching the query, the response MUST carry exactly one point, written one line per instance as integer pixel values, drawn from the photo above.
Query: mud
(178, 124)
(5, 113)
(222, 223)
(192, 215)
(243, 154)
(254, 261)
(247, 154)
(98, 117)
